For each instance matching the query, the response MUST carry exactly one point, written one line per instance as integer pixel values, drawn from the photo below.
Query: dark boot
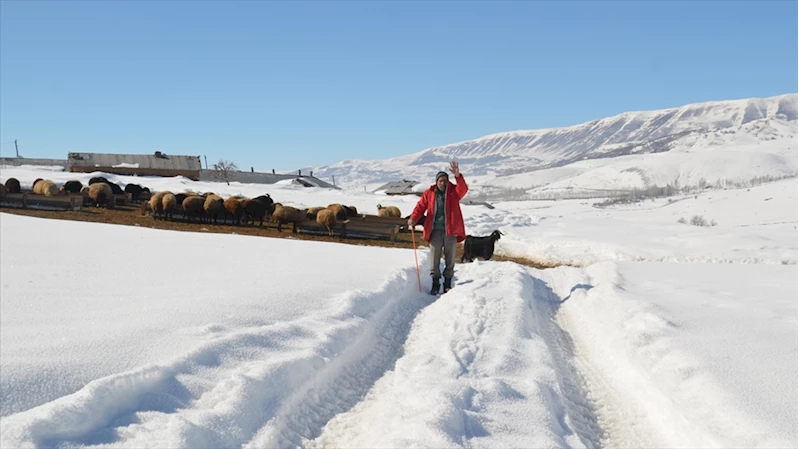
(436, 286)
(447, 284)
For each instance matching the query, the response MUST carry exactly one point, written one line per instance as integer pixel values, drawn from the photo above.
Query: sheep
(288, 214)
(326, 218)
(12, 185)
(169, 204)
(3, 190)
(179, 197)
(265, 199)
(352, 211)
(418, 223)
(45, 187)
(479, 246)
(71, 187)
(388, 211)
(194, 205)
(312, 212)
(115, 189)
(100, 193)
(233, 207)
(213, 206)
(97, 179)
(254, 209)
(156, 204)
(33, 186)
(135, 191)
(339, 210)
(145, 194)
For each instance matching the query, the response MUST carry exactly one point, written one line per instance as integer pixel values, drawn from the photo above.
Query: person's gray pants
(439, 240)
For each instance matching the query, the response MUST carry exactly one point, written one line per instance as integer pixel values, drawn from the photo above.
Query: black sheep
(265, 199)
(418, 223)
(179, 197)
(97, 179)
(482, 247)
(73, 186)
(115, 189)
(12, 185)
(135, 191)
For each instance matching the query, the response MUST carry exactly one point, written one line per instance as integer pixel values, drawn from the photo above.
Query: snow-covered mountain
(732, 140)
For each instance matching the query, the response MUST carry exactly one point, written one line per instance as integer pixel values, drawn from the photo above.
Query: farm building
(157, 164)
(254, 177)
(403, 187)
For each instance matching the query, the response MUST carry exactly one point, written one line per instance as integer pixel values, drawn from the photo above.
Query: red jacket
(453, 219)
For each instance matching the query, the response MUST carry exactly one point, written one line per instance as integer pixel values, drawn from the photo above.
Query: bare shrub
(698, 220)
(224, 170)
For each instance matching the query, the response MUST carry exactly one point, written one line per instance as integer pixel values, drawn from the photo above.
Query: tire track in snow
(347, 377)
(485, 366)
(267, 386)
(581, 411)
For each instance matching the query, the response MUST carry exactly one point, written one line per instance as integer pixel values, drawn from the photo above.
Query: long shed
(156, 164)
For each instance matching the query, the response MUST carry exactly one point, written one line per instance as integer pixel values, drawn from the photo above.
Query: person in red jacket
(443, 226)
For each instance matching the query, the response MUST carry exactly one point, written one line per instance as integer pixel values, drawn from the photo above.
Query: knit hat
(440, 174)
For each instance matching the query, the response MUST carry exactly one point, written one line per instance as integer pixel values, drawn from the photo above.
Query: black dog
(479, 246)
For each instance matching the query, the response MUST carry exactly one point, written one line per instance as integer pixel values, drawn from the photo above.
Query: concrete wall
(17, 161)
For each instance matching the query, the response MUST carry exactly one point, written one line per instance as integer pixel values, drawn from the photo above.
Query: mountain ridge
(633, 132)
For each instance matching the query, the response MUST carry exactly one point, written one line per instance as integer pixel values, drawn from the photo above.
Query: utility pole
(16, 147)
(206, 161)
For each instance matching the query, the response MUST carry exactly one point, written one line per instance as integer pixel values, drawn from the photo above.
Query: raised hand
(453, 167)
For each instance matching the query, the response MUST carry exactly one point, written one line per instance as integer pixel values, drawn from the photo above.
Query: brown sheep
(254, 210)
(388, 211)
(45, 187)
(169, 203)
(233, 207)
(194, 206)
(313, 211)
(352, 211)
(288, 214)
(156, 204)
(12, 185)
(214, 206)
(339, 210)
(101, 194)
(326, 218)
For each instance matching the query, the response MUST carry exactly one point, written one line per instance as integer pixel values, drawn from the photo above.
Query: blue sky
(293, 84)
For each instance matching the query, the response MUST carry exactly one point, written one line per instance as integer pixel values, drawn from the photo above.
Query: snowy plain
(653, 333)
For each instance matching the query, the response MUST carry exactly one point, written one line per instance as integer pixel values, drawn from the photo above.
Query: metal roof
(146, 161)
(397, 187)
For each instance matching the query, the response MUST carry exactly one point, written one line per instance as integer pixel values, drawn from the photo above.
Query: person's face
(442, 183)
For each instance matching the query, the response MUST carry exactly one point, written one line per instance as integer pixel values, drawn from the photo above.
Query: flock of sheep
(201, 206)
(208, 206)
(100, 191)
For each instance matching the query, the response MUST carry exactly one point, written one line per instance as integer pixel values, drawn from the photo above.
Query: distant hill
(736, 139)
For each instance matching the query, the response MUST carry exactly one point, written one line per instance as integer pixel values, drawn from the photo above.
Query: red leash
(418, 276)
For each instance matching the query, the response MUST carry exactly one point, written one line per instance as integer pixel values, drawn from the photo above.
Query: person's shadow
(585, 287)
